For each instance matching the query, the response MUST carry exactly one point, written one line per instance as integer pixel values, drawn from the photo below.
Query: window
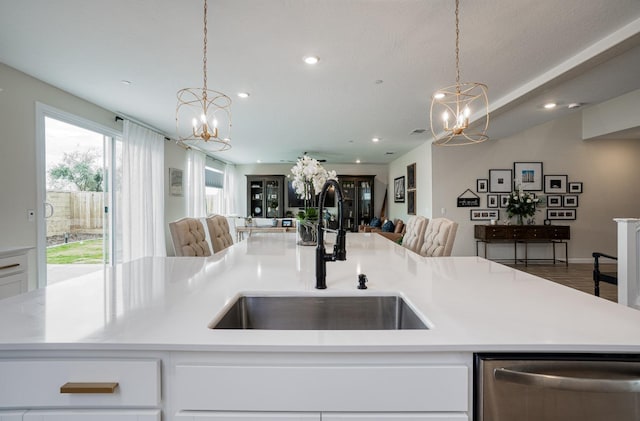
(214, 185)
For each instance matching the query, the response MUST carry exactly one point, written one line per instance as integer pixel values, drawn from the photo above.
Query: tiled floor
(577, 275)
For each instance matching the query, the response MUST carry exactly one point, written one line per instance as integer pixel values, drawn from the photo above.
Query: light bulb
(203, 118)
(195, 123)
(467, 112)
(215, 123)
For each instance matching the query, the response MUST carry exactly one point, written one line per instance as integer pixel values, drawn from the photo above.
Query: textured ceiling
(526, 51)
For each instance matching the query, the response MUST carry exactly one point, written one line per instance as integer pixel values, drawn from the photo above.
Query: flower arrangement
(522, 204)
(308, 178)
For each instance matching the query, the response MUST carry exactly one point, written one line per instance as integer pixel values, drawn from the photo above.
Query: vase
(519, 220)
(307, 233)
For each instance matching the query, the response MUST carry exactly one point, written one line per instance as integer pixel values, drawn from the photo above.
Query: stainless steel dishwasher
(558, 387)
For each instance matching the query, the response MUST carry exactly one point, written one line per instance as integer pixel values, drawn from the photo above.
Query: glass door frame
(43, 111)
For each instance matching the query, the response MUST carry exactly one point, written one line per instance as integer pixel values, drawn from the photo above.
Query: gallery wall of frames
(558, 194)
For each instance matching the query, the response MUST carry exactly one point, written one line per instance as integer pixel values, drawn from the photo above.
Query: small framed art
(482, 185)
(286, 223)
(570, 201)
(175, 182)
(554, 201)
(575, 187)
(493, 201)
(398, 189)
(411, 176)
(555, 183)
(561, 214)
(528, 175)
(504, 200)
(485, 214)
(500, 181)
(411, 202)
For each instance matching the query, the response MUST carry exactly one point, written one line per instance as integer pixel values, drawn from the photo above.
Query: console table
(524, 234)
(241, 230)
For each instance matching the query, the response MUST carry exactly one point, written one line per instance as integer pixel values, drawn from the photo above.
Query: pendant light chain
(204, 58)
(457, 46)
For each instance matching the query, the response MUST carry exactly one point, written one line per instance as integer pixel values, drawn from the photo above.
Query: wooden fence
(75, 213)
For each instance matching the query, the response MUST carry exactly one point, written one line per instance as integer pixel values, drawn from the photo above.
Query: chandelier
(203, 114)
(453, 106)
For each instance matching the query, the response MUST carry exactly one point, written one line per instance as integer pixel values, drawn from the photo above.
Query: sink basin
(319, 313)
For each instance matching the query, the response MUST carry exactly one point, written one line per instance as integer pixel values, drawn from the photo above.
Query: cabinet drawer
(247, 416)
(13, 285)
(36, 383)
(93, 415)
(13, 264)
(331, 388)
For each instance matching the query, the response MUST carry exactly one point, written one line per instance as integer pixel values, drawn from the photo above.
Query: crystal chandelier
(203, 114)
(453, 106)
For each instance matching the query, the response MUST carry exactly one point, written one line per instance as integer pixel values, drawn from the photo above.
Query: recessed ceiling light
(375, 140)
(258, 161)
(550, 105)
(243, 94)
(311, 59)
(125, 82)
(571, 106)
(438, 95)
(357, 161)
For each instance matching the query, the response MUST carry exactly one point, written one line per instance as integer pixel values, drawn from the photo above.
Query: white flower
(308, 174)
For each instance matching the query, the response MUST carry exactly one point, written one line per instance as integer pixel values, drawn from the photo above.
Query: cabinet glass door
(273, 198)
(365, 204)
(257, 195)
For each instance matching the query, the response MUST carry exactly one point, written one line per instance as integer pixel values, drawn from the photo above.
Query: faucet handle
(362, 280)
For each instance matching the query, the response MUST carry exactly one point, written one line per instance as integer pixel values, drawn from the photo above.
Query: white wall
(607, 168)
(421, 156)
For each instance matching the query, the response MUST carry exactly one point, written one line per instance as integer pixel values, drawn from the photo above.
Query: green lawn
(89, 251)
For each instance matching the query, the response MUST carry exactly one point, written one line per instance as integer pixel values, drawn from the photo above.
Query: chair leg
(597, 288)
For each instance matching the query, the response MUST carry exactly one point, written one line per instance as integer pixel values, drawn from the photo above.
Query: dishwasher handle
(582, 384)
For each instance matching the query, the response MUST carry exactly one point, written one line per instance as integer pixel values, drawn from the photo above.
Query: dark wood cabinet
(525, 234)
(265, 196)
(358, 200)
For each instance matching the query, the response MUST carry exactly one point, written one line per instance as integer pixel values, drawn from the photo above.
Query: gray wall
(607, 168)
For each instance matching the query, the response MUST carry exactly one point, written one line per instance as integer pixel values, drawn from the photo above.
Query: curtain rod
(123, 116)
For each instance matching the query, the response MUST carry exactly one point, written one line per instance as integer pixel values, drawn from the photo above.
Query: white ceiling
(526, 51)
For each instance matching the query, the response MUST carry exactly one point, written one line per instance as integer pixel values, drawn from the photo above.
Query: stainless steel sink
(319, 313)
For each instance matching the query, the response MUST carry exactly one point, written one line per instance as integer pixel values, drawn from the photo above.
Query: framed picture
(482, 185)
(554, 201)
(398, 189)
(175, 182)
(411, 176)
(411, 202)
(286, 223)
(555, 183)
(504, 200)
(484, 214)
(500, 181)
(575, 187)
(570, 201)
(528, 175)
(561, 214)
(492, 201)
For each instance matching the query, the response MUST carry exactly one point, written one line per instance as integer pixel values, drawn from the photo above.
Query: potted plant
(521, 204)
(308, 178)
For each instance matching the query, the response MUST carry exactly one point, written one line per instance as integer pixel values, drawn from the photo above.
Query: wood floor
(577, 275)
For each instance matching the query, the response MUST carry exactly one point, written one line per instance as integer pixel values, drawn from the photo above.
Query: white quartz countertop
(470, 304)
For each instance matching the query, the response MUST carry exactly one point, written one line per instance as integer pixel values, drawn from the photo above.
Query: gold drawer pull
(107, 387)
(14, 265)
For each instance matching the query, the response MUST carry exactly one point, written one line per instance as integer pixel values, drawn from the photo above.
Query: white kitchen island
(145, 325)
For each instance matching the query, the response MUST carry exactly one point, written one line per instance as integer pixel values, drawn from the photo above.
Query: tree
(79, 168)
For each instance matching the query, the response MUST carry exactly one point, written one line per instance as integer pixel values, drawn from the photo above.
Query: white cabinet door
(11, 415)
(393, 417)
(248, 416)
(93, 415)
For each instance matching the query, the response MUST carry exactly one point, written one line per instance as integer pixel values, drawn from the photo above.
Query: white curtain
(195, 191)
(229, 191)
(142, 204)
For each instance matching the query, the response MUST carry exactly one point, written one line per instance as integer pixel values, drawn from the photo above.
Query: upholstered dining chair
(189, 237)
(219, 232)
(414, 233)
(439, 237)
